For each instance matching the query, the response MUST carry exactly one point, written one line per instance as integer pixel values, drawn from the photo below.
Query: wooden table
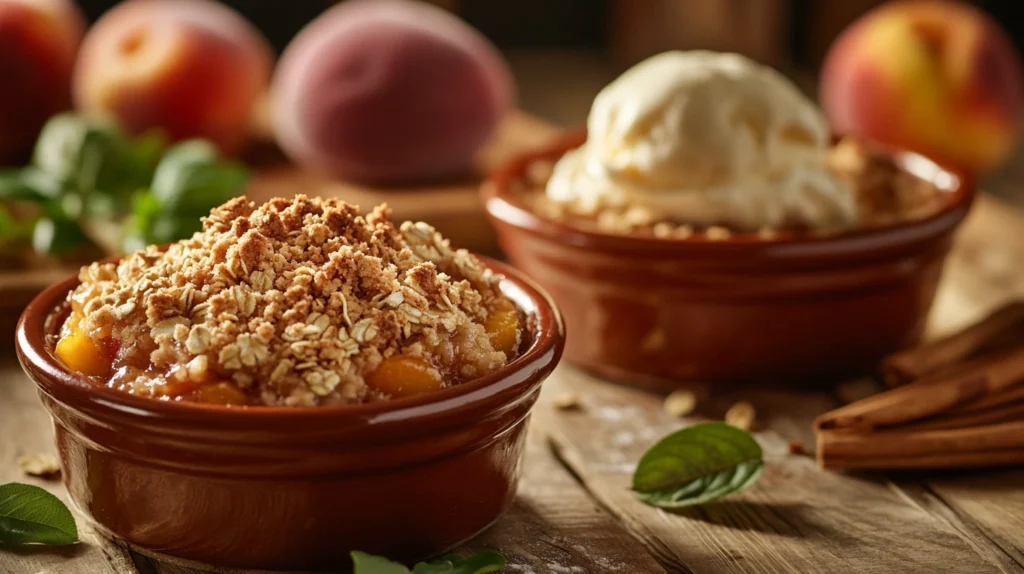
(575, 514)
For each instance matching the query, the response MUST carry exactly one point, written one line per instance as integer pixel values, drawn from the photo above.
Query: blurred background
(563, 52)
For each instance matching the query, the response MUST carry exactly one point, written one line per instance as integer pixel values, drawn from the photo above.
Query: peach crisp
(296, 302)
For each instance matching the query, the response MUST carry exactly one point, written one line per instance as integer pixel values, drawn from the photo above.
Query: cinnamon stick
(999, 327)
(998, 398)
(932, 394)
(998, 414)
(979, 459)
(901, 443)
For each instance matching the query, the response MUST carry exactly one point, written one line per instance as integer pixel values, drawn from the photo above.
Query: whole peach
(38, 43)
(935, 76)
(192, 67)
(388, 91)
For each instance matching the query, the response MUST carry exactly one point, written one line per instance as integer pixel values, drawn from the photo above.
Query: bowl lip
(504, 208)
(494, 391)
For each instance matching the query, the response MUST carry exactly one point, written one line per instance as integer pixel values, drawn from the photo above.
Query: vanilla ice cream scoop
(709, 139)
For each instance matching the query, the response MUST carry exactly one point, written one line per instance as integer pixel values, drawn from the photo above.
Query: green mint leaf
(59, 146)
(54, 236)
(29, 184)
(479, 563)
(8, 226)
(148, 148)
(14, 186)
(13, 230)
(95, 158)
(31, 515)
(696, 465)
(191, 179)
(364, 563)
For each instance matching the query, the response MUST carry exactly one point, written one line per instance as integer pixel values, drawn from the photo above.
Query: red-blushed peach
(38, 43)
(935, 76)
(388, 91)
(194, 68)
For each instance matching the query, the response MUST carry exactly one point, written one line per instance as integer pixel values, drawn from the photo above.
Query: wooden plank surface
(796, 518)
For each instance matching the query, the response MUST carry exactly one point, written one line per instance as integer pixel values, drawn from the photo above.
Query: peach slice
(502, 327)
(403, 376)
(83, 354)
(222, 393)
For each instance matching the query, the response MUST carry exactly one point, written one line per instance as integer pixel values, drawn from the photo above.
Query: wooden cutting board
(454, 206)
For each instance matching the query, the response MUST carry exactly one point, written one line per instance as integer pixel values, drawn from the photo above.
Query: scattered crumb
(662, 230)
(741, 415)
(683, 232)
(43, 465)
(680, 403)
(797, 447)
(717, 233)
(566, 401)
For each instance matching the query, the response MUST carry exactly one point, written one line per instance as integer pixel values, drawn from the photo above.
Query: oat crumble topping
(295, 302)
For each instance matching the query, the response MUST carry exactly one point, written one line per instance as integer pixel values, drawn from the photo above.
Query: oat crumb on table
(295, 302)
(41, 464)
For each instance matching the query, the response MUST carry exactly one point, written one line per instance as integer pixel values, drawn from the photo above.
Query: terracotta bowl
(662, 312)
(293, 488)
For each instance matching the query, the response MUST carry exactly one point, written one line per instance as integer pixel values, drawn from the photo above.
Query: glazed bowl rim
(519, 376)
(502, 205)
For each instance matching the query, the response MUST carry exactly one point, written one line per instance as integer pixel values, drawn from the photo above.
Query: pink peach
(387, 91)
(38, 43)
(935, 76)
(194, 68)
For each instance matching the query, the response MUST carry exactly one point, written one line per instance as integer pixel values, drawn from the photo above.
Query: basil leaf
(13, 186)
(479, 563)
(190, 179)
(364, 563)
(13, 230)
(166, 228)
(94, 157)
(59, 146)
(696, 465)
(8, 226)
(31, 515)
(29, 184)
(54, 236)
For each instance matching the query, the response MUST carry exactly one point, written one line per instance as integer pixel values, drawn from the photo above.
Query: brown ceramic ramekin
(293, 488)
(747, 310)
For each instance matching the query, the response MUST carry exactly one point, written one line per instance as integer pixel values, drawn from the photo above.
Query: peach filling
(84, 354)
(97, 358)
(397, 376)
(404, 376)
(502, 327)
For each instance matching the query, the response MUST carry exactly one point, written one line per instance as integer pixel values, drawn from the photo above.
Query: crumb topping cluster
(295, 302)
